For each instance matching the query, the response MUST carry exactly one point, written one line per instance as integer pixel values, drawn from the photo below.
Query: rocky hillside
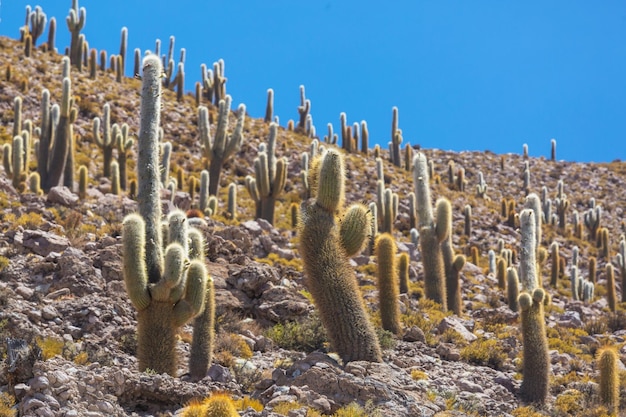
(72, 327)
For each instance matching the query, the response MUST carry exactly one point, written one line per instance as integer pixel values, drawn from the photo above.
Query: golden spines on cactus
(609, 378)
(403, 272)
(328, 274)
(388, 290)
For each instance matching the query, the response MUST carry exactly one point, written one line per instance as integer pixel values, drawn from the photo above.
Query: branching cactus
(326, 242)
(75, 23)
(54, 141)
(108, 140)
(452, 264)
(592, 219)
(536, 370)
(270, 177)
(165, 287)
(221, 146)
(396, 139)
(431, 235)
(388, 288)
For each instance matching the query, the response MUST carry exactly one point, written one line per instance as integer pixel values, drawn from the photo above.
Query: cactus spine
(329, 276)
(218, 149)
(431, 235)
(388, 283)
(164, 286)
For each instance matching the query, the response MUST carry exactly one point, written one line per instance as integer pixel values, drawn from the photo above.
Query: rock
(42, 243)
(570, 319)
(453, 323)
(253, 227)
(448, 352)
(414, 334)
(62, 195)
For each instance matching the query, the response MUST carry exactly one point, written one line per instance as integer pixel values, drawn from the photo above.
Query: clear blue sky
(465, 75)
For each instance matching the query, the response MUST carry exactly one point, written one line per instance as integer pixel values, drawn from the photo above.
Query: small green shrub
(307, 335)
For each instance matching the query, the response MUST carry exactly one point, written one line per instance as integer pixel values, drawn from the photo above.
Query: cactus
(396, 138)
(562, 204)
(164, 167)
(431, 235)
(592, 219)
(202, 342)
(528, 252)
(412, 211)
(611, 296)
(304, 110)
(474, 255)
(576, 282)
(115, 178)
(218, 149)
(467, 212)
(501, 267)
(365, 138)
(481, 187)
(536, 361)
(554, 271)
(512, 288)
(123, 45)
(219, 405)
(75, 23)
(403, 272)
(387, 209)
(124, 144)
(621, 264)
(164, 286)
(388, 283)
(16, 168)
(532, 202)
(553, 149)
(232, 200)
(270, 177)
(452, 264)
(52, 29)
(269, 107)
(82, 182)
(491, 259)
(54, 141)
(328, 274)
(108, 140)
(609, 378)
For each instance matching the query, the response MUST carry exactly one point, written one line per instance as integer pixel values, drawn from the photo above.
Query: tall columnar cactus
(270, 175)
(269, 106)
(467, 213)
(555, 257)
(221, 146)
(621, 264)
(562, 204)
(431, 235)
(123, 46)
(54, 141)
(592, 220)
(512, 288)
(553, 149)
(532, 202)
(115, 178)
(365, 135)
(387, 207)
(108, 140)
(501, 266)
(396, 139)
(124, 144)
(326, 241)
(611, 296)
(481, 187)
(232, 200)
(166, 288)
(17, 164)
(37, 23)
(304, 109)
(576, 282)
(528, 252)
(204, 325)
(536, 361)
(83, 177)
(452, 263)
(388, 288)
(75, 23)
(609, 378)
(403, 272)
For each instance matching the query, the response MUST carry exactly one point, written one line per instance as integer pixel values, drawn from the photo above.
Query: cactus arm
(195, 290)
(134, 265)
(355, 228)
